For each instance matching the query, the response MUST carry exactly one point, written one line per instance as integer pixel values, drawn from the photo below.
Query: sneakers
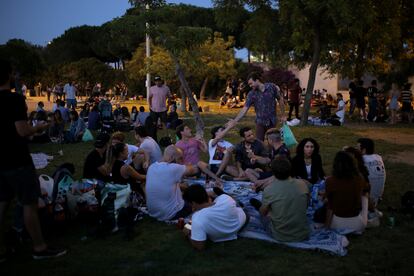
(48, 253)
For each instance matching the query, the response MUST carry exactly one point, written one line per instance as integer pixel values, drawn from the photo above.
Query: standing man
(157, 100)
(70, 90)
(263, 97)
(360, 94)
(372, 93)
(294, 99)
(17, 172)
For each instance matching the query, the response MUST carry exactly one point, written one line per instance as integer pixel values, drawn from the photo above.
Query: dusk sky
(39, 21)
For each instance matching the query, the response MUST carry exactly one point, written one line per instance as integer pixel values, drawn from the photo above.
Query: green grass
(161, 249)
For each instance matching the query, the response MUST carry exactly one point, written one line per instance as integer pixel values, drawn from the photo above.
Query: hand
(218, 183)
(145, 165)
(283, 119)
(251, 155)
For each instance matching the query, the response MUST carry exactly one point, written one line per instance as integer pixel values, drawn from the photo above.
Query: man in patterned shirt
(263, 97)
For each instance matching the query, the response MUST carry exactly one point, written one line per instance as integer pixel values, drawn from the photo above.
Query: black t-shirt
(92, 163)
(242, 151)
(372, 92)
(14, 150)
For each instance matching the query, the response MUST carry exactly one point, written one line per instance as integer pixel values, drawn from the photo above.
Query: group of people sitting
(349, 195)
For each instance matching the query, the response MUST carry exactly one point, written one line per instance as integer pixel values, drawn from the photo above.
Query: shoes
(48, 253)
(255, 203)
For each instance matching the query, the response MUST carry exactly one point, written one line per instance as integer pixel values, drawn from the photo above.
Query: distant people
(17, 172)
(324, 111)
(393, 105)
(217, 220)
(406, 100)
(338, 118)
(70, 91)
(41, 136)
(134, 115)
(40, 107)
(372, 93)
(250, 153)
(352, 97)
(142, 116)
(173, 120)
(376, 168)
(263, 97)
(148, 144)
(96, 165)
(63, 111)
(94, 121)
(284, 204)
(157, 100)
(294, 99)
(360, 95)
(307, 164)
(163, 190)
(57, 126)
(105, 108)
(84, 114)
(347, 195)
(76, 129)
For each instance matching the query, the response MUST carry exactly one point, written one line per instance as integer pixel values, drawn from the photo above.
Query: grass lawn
(161, 249)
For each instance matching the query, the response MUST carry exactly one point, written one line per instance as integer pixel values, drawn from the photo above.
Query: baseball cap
(157, 78)
(101, 140)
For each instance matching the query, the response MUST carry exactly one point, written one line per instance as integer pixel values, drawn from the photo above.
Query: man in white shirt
(217, 221)
(376, 169)
(163, 190)
(148, 144)
(137, 157)
(220, 152)
(70, 90)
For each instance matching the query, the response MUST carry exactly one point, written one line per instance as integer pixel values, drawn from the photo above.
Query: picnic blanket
(41, 160)
(320, 239)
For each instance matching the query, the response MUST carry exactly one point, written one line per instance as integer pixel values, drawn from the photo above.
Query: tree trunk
(183, 100)
(358, 69)
(187, 91)
(203, 89)
(312, 75)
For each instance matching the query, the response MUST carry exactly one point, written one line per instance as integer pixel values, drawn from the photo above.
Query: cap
(101, 140)
(157, 78)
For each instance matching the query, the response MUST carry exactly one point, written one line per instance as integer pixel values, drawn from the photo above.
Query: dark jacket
(299, 168)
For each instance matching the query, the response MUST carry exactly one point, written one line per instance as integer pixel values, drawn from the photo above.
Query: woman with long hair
(347, 195)
(307, 164)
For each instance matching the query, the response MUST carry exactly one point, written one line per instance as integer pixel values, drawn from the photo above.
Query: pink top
(191, 150)
(159, 97)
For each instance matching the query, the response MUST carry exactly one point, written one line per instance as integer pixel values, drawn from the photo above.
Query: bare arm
(221, 135)
(105, 169)
(264, 210)
(128, 171)
(329, 215)
(190, 170)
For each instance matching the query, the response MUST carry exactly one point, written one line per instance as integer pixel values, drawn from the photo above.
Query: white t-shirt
(163, 192)
(341, 112)
(131, 151)
(376, 176)
(219, 222)
(152, 148)
(217, 152)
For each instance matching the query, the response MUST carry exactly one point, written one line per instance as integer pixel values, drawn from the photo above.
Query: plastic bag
(288, 136)
(87, 136)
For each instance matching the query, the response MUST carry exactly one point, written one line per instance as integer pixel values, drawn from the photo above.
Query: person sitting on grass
(307, 164)
(148, 144)
(217, 221)
(347, 195)
(275, 147)
(123, 173)
(284, 204)
(376, 169)
(220, 152)
(163, 188)
(96, 165)
(250, 153)
(191, 146)
(76, 129)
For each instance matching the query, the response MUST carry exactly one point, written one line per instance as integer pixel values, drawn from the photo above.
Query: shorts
(22, 182)
(161, 115)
